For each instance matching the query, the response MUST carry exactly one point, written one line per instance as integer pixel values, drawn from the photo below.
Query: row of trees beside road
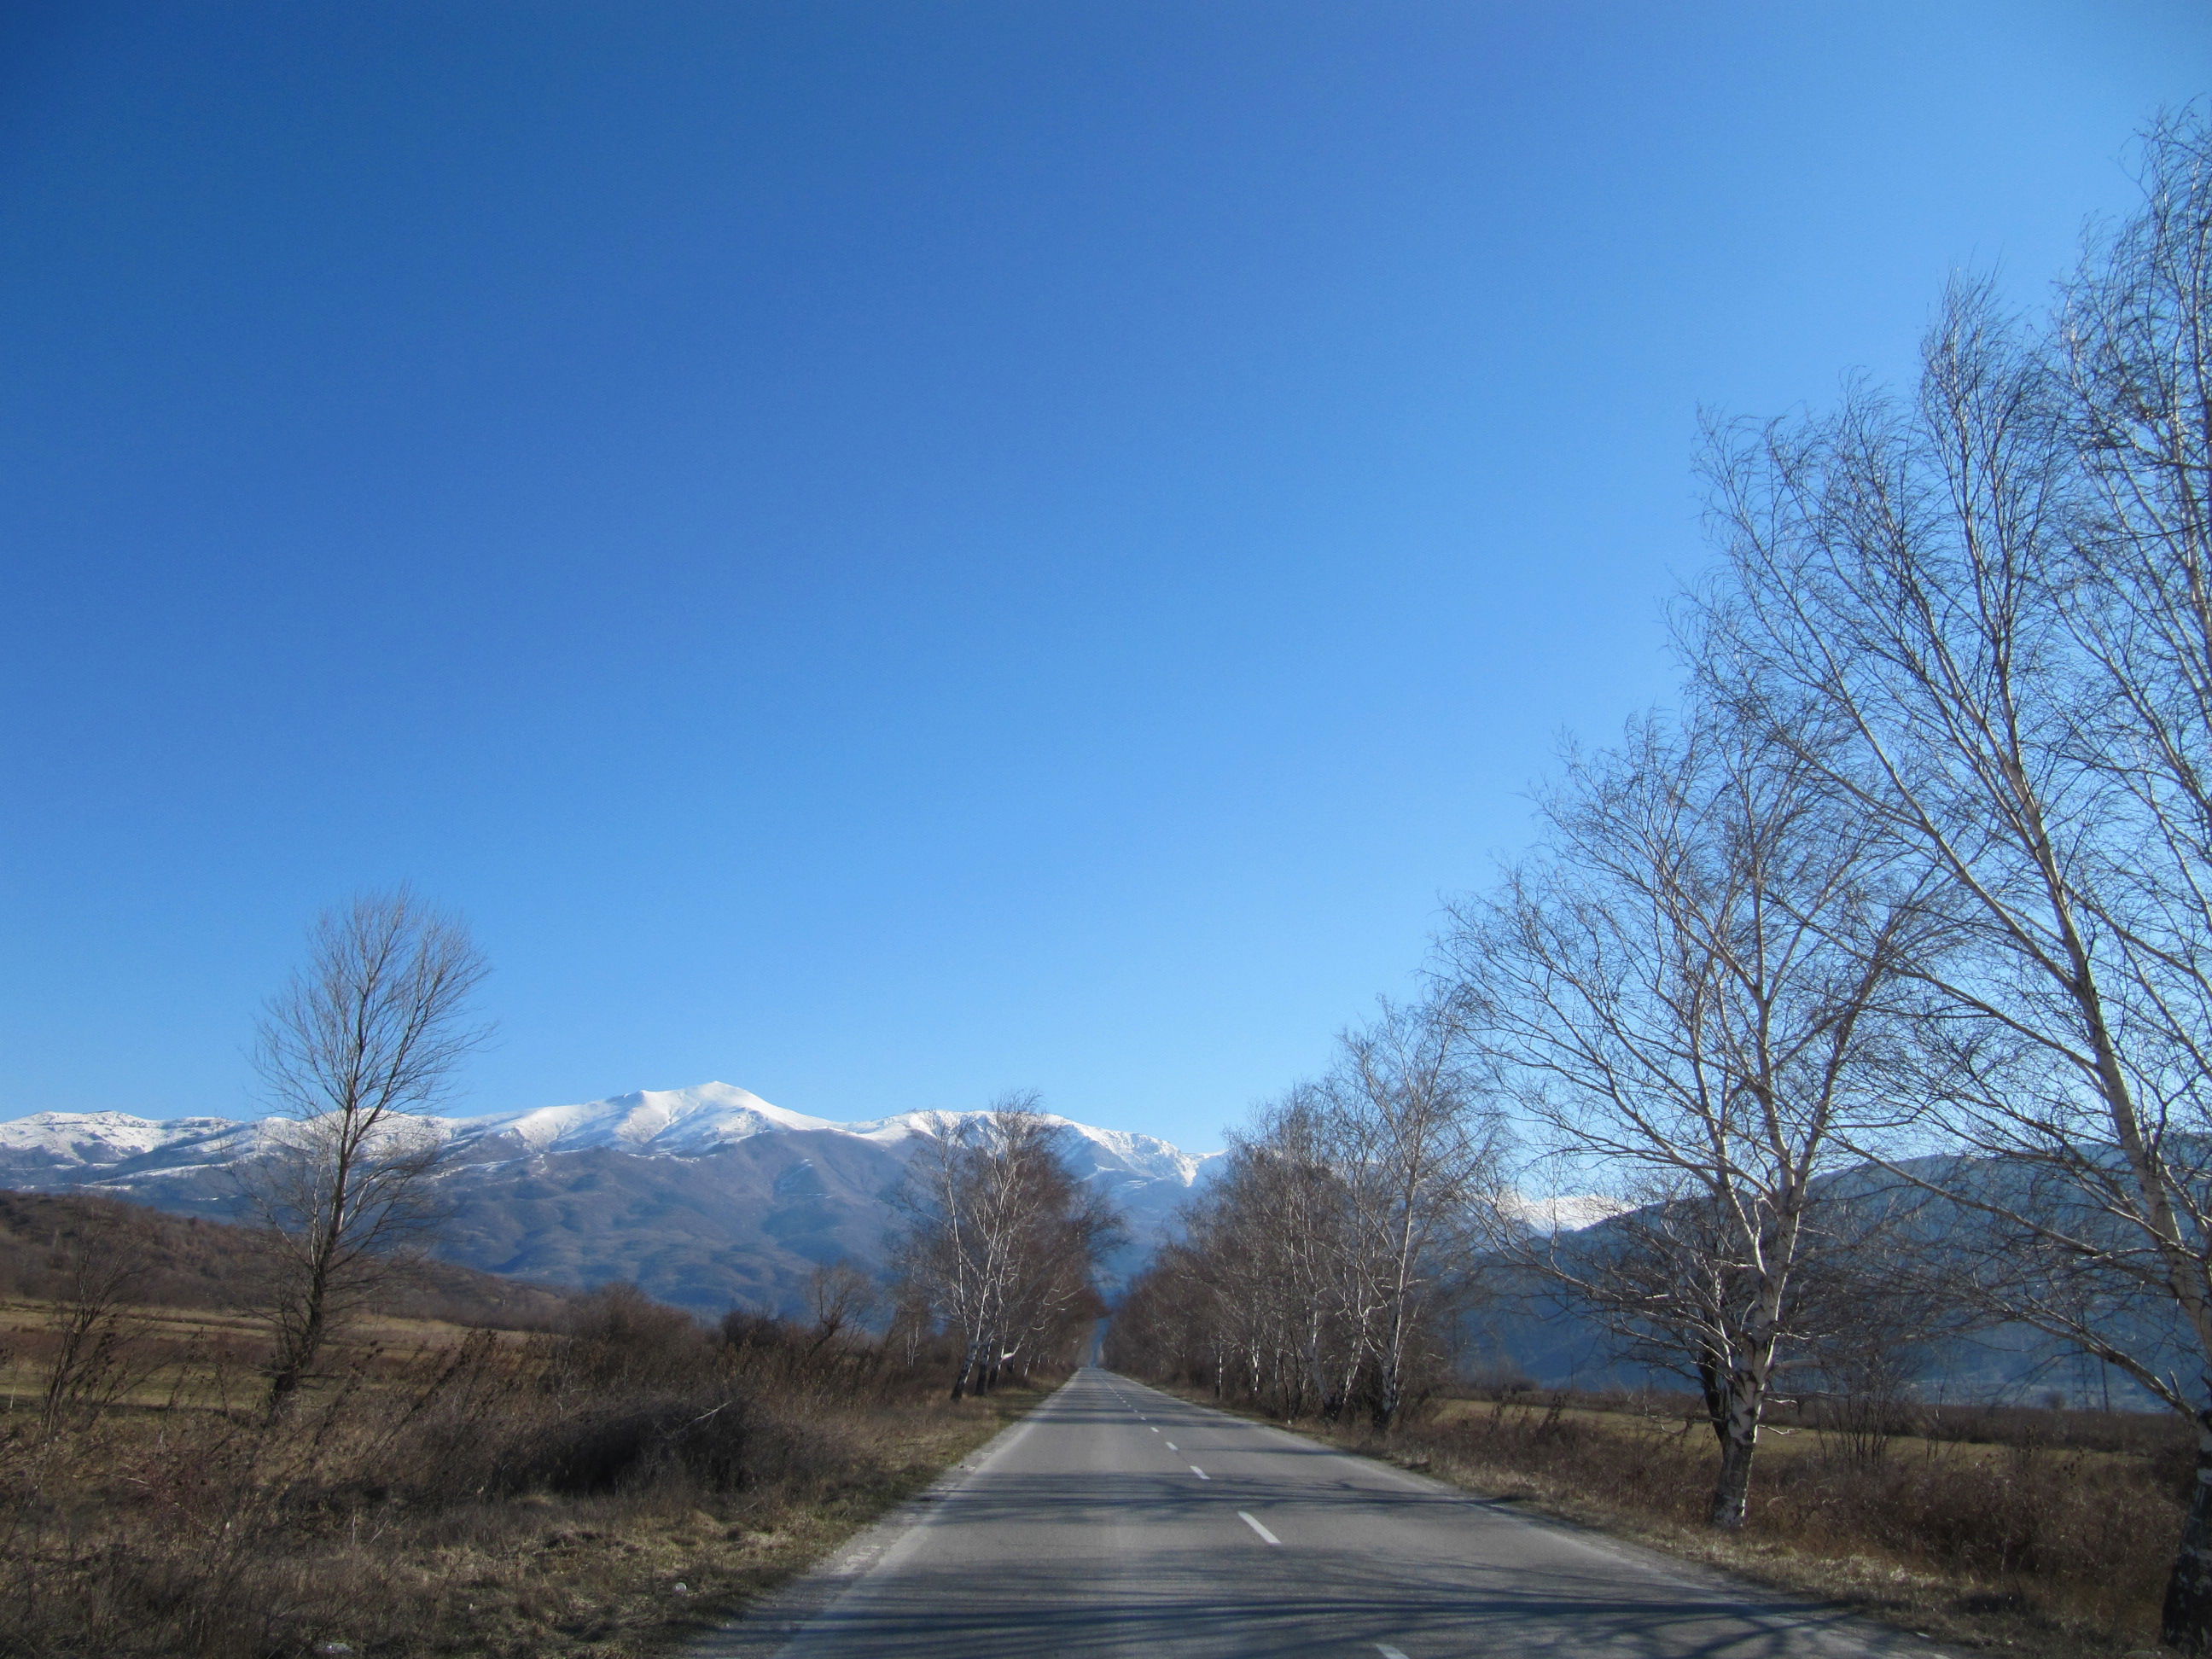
(1917, 878)
(1325, 1268)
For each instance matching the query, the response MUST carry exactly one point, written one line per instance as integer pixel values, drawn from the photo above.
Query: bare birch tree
(1418, 1149)
(2135, 354)
(1002, 1240)
(1327, 1265)
(1666, 1279)
(1685, 992)
(1262, 1297)
(1989, 607)
(1935, 847)
(1277, 1236)
(354, 1053)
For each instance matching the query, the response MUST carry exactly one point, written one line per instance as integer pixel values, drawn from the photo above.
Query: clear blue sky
(887, 552)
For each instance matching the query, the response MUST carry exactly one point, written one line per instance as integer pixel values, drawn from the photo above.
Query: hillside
(1528, 1329)
(193, 1262)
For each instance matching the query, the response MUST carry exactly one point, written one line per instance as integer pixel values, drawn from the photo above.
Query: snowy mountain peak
(668, 1122)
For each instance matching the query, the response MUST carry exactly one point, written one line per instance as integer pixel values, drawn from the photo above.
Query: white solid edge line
(1199, 1472)
(1266, 1537)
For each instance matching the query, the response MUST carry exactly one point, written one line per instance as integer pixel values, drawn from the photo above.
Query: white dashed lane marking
(1199, 1472)
(1266, 1537)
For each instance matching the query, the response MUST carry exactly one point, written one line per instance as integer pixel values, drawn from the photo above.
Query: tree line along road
(1117, 1520)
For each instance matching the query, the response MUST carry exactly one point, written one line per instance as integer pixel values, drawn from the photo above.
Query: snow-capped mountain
(690, 1122)
(707, 1196)
(652, 1122)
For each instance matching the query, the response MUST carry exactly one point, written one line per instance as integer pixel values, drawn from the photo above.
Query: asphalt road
(1116, 1520)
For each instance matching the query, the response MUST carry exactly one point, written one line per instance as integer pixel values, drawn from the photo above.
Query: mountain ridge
(654, 1122)
(707, 1196)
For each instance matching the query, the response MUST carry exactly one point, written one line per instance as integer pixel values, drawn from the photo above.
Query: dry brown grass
(445, 1492)
(2057, 1550)
(184, 1261)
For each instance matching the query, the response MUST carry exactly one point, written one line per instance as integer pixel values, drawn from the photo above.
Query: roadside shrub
(506, 1494)
(620, 1337)
(623, 1441)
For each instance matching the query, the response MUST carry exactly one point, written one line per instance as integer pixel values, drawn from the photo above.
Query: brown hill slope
(192, 1262)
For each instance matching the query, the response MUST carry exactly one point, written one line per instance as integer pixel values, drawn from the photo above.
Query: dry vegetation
(182, 1262)
(2045, 1532)
(301, 1468)
(602, 1489)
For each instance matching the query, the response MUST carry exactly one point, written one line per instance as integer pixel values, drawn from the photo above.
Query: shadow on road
(1320, 1607)
(1096, 1548)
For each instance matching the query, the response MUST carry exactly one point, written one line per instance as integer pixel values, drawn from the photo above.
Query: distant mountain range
(707, 1197)
(710, 1197)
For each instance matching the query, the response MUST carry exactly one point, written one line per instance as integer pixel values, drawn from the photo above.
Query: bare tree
(96, 1362)
(839, 1296)
(1418, 1149)
(1989, 608)
(1261, 1296)
(1001, 1239)
(1928, 871)
(1666, 1279)
(913, 1318)
(1685, 991)
(1275, 1253)
(353, 1052)
(1230, 1305)
(2134, 354)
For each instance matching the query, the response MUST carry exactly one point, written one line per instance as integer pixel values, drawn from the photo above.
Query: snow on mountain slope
(110, 1141)
(648, 1122)
(690, 1122)
(657, 1122)
(1144, 1156)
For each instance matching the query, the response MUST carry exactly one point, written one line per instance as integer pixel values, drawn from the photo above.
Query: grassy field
(206, 1357)
(1960, 1434)
(604, 1491)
